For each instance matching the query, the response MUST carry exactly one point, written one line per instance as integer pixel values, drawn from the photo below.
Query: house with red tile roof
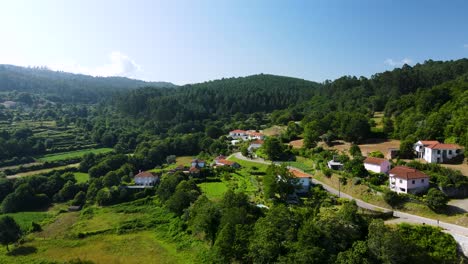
(222, 161)
(304, 181)
(238, 133)
(377, 165)
(146, 178)
(433, 151)
(404, 179)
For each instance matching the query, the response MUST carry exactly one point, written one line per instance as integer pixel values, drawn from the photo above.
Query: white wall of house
(439, 155)
(408, 186)
(145, 180)
(384, 167)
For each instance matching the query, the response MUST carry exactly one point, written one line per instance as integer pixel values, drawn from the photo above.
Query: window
(422, 180)
(438, 151)
(450, 152)
(401, 181)
(413, 181)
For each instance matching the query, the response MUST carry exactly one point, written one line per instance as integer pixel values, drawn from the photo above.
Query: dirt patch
(274, 131)
(367, 147)
(297, 143)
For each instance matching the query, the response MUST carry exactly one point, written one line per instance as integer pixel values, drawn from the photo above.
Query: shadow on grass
(22, 251)
(451, 210)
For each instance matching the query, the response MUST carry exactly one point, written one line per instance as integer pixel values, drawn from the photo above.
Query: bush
(393, 199)
(436, 200)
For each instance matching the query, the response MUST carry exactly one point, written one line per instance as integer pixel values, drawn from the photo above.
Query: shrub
(436, 200)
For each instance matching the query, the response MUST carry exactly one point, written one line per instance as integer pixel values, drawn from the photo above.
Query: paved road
(454, 230)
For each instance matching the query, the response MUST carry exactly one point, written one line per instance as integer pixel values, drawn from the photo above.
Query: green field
(73, 154)
(24, 219)
(302, 164)
(37, 172)
(81, 177)
(243, 179)
(135, 232)
(213, 190)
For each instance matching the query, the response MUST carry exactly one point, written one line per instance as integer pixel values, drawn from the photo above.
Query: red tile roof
(145, 174)
(258, 141)
(254, 133)
(407, 173)
(238, 131)
(429, 142)
(226, 162)
(444, 146)
(300, 174)
(373, 160)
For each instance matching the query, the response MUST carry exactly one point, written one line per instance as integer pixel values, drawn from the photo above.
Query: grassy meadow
(134, 232)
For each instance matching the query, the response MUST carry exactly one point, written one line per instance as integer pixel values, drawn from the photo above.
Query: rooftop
(374, 160)
(407, 173)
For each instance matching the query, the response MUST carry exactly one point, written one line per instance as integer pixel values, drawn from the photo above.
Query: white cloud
(119, 65)
(400, 63)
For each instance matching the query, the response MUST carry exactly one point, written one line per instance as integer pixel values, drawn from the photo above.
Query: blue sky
(195, 41)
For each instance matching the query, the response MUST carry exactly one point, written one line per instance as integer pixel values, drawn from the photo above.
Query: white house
(436, 152)
(304, 181)
(146, 178)
(196, 163)
(377, 165)
(404, 179)
(255, 145)
(252, 134)
(235, 134)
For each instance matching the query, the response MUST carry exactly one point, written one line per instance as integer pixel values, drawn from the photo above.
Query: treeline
(66, 87)
(216, 99)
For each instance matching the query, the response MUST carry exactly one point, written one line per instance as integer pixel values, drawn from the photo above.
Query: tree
(278, 183)
(312, 132)
(386, 245)
(204, 217)
(376, 154)
(273, 148)
(436, 199)
(406, 149)
(10, 232)
(392, 198)
(355, 151)
(171, 159)
(214, 131)
(80, 198)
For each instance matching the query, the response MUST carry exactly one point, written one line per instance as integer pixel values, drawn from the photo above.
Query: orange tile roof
(407, 173)
(444, 146)
(429, 142)
(300, 174)
(374, 160)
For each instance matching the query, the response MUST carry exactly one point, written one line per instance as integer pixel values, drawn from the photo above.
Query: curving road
(460, 233)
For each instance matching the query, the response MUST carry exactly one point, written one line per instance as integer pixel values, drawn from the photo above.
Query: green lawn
(73, 154)
(213, 190)
(302, 164)
(81, 177)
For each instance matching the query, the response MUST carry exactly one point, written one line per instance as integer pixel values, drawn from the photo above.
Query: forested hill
(426, 101)
(219, 98)
(66, 87)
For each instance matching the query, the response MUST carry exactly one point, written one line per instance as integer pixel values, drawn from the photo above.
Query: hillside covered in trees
(66, 87)
(427, 101)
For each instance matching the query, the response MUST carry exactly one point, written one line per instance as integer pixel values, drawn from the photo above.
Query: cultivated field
(73, 154)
